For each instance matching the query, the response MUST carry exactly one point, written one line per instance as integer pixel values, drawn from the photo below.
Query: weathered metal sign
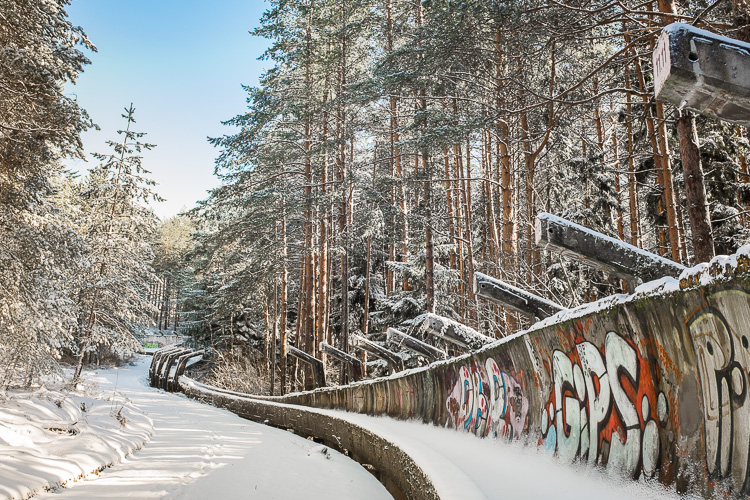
(704, 72)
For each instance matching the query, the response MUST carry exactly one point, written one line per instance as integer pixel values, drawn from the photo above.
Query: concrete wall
(400, 474)
(653, 385)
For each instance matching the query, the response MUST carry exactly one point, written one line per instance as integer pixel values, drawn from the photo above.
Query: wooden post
(695, 188)
(514, 298)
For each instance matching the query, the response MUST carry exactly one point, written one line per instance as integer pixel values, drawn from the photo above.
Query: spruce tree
(115, 222)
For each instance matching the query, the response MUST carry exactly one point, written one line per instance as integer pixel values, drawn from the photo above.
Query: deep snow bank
(51, 438)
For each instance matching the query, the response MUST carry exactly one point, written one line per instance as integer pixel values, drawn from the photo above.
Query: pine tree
(115, 223)
(40, 253)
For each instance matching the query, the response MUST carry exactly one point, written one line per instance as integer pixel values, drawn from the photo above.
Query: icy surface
(201, 452)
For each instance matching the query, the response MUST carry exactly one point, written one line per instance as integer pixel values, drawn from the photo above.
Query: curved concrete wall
(654, 384)
(396, 469)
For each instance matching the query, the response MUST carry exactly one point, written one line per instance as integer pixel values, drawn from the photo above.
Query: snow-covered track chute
(395, 468)
(168, 364)
(617, 383)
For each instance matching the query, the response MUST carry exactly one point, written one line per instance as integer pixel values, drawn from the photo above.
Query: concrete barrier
(400, 474)
(653, 385)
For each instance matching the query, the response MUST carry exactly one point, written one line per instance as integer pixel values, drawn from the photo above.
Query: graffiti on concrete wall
(604, 407)
(487, 401)
(723, 359)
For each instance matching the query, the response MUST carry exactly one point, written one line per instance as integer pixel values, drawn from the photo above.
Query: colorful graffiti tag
(723, 360)
(604, 406)
(487, 401)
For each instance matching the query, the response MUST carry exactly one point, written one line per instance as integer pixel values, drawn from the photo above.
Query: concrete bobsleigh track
(652, 384)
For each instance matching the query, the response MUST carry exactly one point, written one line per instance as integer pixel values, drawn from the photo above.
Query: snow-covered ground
(199, 452)
(51, 438)
(463, 466)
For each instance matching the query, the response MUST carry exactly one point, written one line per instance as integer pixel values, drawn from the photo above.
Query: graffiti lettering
(723, 361)
(592, 403)
(487, 401)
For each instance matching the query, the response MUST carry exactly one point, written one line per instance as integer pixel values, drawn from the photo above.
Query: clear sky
(181, 63)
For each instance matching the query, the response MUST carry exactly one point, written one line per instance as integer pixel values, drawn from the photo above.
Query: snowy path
(200, 452)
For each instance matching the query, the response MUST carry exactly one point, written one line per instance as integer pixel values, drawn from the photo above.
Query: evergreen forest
(393, 149)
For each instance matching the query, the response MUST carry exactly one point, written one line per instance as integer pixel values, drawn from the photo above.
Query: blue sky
(181, 63)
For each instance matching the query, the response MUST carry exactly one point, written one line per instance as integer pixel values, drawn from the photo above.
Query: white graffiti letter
(622, 360)
(593, 366)
(567, 422)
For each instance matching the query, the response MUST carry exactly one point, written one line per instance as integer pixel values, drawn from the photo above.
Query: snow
(461, 465)
(196, 451)
(709, 35)
(51, 438)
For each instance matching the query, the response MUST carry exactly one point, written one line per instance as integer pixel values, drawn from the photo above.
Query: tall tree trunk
(695, 189)
(670, 202)
(284, 288)
(343, 181)
(632, 186)
(274, 334)
(449, 205)
(616, 166)
(465, 176)
(426, 173)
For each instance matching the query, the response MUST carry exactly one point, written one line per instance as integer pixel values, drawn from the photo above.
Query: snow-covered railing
(408, 342)
(161, 357)
(601, 251)
(168, 364)
(450, 331)
(182, 362)
(512, 297)
(354, 364)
